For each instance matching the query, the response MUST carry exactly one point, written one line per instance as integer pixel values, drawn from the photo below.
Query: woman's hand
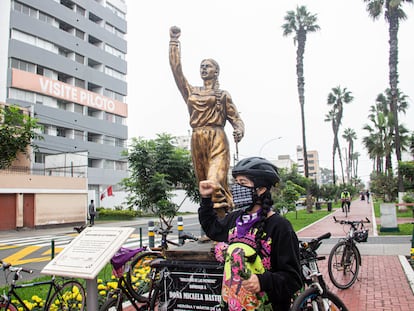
(252, 284)
(175, 33)
(206, 188)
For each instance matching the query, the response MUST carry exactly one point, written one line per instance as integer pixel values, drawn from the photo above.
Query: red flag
(107, 192)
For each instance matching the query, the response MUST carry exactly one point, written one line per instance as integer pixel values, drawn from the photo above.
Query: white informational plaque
(88, 253)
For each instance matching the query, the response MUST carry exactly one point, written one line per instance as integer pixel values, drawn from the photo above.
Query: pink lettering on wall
(40, 84)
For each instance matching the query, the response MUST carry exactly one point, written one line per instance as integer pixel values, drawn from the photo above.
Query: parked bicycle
(345, 259)
(135, 276)
(165, 242)
(316, 297)
(139, 275)
(62, 294)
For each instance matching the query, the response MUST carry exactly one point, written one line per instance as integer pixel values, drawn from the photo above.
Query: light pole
(267, 142)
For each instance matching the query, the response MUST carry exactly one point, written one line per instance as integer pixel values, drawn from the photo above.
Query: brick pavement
(382, 282)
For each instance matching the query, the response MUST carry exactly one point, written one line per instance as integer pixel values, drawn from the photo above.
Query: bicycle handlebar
(315, 243)
(8, 266)
(352, 222)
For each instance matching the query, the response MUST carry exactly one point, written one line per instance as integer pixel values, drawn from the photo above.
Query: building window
(79, 58)
(39, 157)
(61, 132)
(80, 34)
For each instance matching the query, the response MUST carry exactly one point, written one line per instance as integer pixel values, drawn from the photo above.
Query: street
(33, 249)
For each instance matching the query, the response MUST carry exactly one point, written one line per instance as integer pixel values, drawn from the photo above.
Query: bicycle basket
(361, 236)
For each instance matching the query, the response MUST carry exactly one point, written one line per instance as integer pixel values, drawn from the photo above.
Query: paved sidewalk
(382, 284)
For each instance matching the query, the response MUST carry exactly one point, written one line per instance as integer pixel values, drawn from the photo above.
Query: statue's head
(209, 63)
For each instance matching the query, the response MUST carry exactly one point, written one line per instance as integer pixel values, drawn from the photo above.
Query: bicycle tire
(139, 277)
(343, 265)
(70, 296)
(154, 304)
(111, 304)
(309, 300)
(11, 307)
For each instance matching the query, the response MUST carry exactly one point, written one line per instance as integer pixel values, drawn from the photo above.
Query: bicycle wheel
(141, 276)
(11, 307)
(155, 299)
(70, 296)
(312, 300)
(111, 304)
(343, 265)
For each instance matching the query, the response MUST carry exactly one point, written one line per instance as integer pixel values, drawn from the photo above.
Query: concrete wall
(57, 200)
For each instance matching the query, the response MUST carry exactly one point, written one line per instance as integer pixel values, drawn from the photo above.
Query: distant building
(65, 61)
(284, 161)
(313, 164)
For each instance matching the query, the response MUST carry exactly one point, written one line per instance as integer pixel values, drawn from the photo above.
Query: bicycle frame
(13, 294)
(123, 290)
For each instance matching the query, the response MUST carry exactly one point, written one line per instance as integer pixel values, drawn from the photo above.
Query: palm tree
(337, 98)
(349, 135)
(330, 117)
(393, 14)
(354, 158)
(300, 23)
(381, 140)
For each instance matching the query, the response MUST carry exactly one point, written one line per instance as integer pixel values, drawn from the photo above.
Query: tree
(336, 100)
(17, 131)
(393, 14)
(381, 142)
(300, 23)
(349, 135)
(157, 167)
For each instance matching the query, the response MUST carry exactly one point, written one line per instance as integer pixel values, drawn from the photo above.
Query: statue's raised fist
(175, 32)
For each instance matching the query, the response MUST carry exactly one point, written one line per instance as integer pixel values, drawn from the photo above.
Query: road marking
(2, 247)
(18, 258)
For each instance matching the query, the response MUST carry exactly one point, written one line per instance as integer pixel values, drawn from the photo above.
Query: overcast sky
(258, 69)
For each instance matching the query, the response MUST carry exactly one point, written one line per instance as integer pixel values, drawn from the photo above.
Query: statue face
(208, 70)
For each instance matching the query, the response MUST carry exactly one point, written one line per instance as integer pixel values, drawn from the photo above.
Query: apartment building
(65, 61)
(313, 164)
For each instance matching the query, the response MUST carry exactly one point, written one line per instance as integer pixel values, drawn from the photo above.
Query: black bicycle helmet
(262, 172)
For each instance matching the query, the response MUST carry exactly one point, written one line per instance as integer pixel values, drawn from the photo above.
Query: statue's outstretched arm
(175, 62)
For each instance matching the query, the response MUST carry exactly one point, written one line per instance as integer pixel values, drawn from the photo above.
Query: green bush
(111, 214)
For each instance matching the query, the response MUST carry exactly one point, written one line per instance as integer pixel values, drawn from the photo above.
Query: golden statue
(209, 108)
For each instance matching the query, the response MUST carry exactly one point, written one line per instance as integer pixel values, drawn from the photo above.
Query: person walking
(367, 194)
(92, 213)
(259, 247)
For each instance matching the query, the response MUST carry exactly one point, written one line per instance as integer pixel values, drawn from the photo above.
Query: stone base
(193, 251)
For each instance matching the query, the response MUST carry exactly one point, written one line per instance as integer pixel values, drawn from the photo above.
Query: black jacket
(284, 278)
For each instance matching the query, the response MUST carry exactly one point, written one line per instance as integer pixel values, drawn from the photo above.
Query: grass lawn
(302, 218)
(404, 228)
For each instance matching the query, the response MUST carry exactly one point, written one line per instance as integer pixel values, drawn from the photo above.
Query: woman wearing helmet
(258, 225)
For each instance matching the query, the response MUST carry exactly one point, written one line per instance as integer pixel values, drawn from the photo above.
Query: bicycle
(345, 258)
(139, 283)
(135, 279)
(69, 295)
(316, 297)
(346, 203)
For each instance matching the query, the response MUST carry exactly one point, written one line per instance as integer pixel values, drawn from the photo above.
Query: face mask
(242, 195)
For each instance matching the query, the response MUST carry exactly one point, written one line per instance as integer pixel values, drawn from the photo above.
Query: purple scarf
(245, 222)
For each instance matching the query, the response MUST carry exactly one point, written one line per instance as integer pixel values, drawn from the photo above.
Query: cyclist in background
(346, 200)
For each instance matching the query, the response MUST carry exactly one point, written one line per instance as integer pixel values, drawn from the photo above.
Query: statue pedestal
(191, 278)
